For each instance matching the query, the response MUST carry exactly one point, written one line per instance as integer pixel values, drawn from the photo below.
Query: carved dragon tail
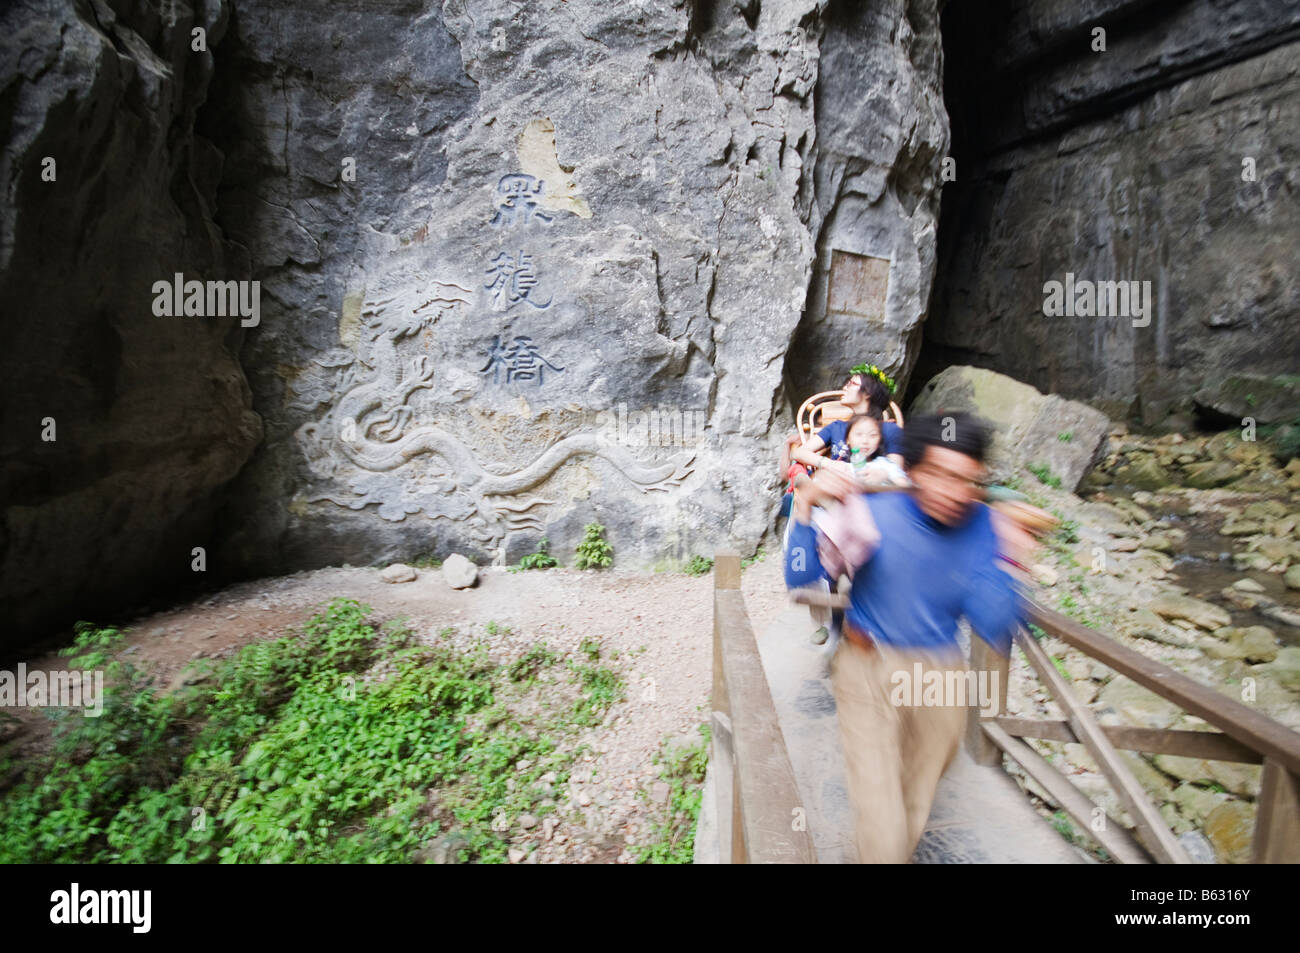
(646, 476)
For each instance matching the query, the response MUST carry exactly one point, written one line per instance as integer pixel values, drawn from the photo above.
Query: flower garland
(878, 374)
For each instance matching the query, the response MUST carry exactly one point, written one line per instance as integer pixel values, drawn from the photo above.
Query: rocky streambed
(1186, 549)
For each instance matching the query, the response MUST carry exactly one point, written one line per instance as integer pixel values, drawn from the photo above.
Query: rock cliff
(518, 267)
(1161, 151)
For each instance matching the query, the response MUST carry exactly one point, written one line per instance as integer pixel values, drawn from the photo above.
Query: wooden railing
(757, 798)
(1246, 736)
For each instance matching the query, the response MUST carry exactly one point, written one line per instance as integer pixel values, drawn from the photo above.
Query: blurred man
(919, 561)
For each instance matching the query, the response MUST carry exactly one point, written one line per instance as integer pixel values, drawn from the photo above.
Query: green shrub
(594, 552)
(600, 686)
(538, 560)
(290, 752)
(699, 566)
(1067, 531)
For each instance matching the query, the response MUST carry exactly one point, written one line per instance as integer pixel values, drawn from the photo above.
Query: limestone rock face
(1204, 614)
(1029, 428)
(1266, 400)
(118, 426)
(532, 266)
(1168, 159)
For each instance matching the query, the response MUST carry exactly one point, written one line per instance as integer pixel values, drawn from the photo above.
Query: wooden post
(1112, 836)
(726, 570)
(763, 793)
(1277, 824)
(722, 754)
(985, 658)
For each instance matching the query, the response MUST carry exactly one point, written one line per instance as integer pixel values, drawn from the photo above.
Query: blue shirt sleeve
(802, 565)
(891, 436)
(995, 608)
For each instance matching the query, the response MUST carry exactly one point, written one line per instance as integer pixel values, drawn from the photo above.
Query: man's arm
(994, 607)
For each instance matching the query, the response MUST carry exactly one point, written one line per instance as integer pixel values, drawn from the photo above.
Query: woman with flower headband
(867, 390)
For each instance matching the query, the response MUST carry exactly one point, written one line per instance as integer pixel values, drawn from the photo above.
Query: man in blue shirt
(919, 561)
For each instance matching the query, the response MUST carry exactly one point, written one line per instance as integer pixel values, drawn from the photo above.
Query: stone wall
(118, 427)
(563, 283)
(518, 268)
(1169, 158)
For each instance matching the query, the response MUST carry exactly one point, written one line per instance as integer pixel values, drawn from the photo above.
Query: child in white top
(866, 462)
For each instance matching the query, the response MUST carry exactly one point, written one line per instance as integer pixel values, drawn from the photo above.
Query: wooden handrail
(1277, 820)
(1257, 732)
(757, 798)
(1208, 745)
(1149, 826)
(1112, 836)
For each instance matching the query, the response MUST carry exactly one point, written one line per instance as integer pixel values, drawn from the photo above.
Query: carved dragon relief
(369, 441)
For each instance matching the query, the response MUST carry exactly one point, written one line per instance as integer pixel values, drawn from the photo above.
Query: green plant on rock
(1061, 822)
(1065, 436)
(541, 559)
(600, 687)
(594, 552)
(1067, 531)
(698, 566)
(1045, 474)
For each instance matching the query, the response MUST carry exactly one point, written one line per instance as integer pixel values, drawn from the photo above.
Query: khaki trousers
(894, 754)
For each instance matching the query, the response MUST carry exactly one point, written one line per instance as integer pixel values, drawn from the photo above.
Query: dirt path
(659, 624)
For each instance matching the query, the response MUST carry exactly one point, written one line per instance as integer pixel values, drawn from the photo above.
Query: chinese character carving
(517, 201)
(520, 360)
(511, 280)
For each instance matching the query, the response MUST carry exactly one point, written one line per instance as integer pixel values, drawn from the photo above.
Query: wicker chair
(820, 409)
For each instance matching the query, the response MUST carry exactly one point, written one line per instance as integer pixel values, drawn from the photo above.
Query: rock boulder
(459, 572)
(1031, 429)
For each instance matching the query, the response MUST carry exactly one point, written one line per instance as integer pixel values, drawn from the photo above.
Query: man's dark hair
(961, 432)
